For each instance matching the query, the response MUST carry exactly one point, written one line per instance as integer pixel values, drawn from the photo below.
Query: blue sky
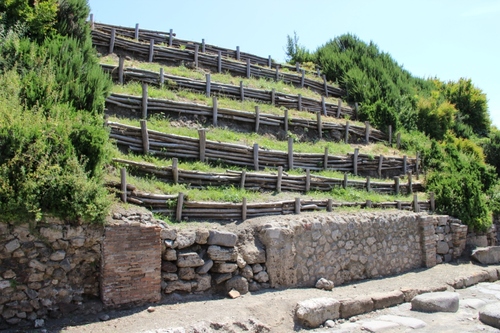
(447, 39)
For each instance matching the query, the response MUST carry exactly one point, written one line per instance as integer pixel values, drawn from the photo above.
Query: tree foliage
(52, 142)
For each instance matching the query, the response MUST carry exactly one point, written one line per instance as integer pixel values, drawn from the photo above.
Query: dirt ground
(264, 311)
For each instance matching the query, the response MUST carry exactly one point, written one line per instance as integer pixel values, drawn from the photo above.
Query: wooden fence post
(112, 41)
(405, 167)
(203, 49)
(323, 106)
(299, 102)
(121, 63)
(144, 101)
(277, 72)
(345, 180)
(249, 69)
(145, 137)
(356, 109)
(92, 26)
(396, 185)
(219, 62)
(269, 62)
(398, 205)
(196, 51)
(243, 179)
(279, 179)
(256, 156)
(151, 50)
(237, 53)
(175, 170)
(367, 132)
(346, 135)
(297, 66)
(368, 185)
(355, 161)
(286, 121)
(136, 32)
(433, 202)
(325, 85)
(207, 90)
(320, 125)
(380, 161)
(410, 183)
(398, 140)
(368, 204)
(203, 143)
(297, 205)
(244, 209)
(416, 164)
(242, 91)
(290, 153)
(339, 107)
(302, 80)
(180, 203)
(308, 180)
(170, 37)
(329, 205)
(325, 162)
(390, 136)
(416, 206)
(123, 177)
(273, 96)
(257, 118)
(214, 111)
(162, 77)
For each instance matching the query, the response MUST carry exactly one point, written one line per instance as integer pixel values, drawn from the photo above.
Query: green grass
(225, 78)
(268, 142)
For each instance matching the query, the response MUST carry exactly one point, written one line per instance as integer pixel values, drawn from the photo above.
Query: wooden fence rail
(210, 88)
(168, 38)
(110, 43)
(175, 146)
(270, 182)
(142, 107)
(181, 208)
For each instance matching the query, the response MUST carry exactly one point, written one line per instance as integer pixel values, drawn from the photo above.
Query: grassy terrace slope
(312, 189)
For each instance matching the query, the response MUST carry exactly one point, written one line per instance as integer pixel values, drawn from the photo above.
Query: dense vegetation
(52, 142)
(448, 122)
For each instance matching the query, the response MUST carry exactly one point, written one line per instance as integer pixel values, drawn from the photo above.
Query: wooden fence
(140, 139)
(210, 88)
(270, 182)
(142, 107)
(182, 209)
(110, 43)
(168, 38)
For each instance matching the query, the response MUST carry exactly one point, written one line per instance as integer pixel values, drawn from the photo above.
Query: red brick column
(131, 265)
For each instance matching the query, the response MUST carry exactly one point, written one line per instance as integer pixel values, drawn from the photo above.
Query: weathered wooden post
(290, 153)
(145, 137)
(180, 203)
(214, 111)
(144, 101)
(175, 170)
(123, 178)
(256, 156)
(203, 143)
(207, 90)
(151, 50)
(355, 162)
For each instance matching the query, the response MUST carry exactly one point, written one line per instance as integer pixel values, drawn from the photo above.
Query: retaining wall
(50, 269)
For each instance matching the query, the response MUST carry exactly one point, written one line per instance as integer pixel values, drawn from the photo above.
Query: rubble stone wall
(47, 269)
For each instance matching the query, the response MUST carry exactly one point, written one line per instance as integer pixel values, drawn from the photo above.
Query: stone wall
(51, 268)
(47, 269)
(343, 248)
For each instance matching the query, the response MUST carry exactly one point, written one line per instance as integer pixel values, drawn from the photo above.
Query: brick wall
(131, 264)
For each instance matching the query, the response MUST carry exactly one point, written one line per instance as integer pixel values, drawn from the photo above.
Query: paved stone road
(402, 319)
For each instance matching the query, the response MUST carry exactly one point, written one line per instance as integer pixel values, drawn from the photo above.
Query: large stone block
(314, 312)
(185, 239)
(487, 255)
(436, 302)
(238, 283)
(224, 267)
(490, 315)
(218, 253)
(384, 300)
(222, 238)
(442, 248)
(355, 306)
(189, 259)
